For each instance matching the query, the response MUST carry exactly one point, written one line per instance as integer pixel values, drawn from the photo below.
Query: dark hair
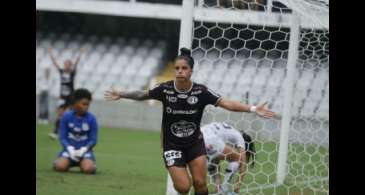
(79, 94)
(250, 148)
(185, 54)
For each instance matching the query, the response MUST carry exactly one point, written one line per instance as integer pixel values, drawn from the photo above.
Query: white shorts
(214, 146)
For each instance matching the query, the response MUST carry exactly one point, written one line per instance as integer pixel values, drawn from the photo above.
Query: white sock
(230, 170)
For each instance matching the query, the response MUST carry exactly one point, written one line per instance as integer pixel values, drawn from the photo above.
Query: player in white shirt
(224, 142)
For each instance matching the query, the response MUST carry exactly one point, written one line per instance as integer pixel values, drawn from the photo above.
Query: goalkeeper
(221, 142)
(78, 135)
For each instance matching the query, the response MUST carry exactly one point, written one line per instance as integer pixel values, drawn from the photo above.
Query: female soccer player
(183, 105)
(67, 86)
(78, 135)
(221, 141)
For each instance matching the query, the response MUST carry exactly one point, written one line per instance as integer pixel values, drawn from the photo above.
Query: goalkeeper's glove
(71, 150)
(80, 152)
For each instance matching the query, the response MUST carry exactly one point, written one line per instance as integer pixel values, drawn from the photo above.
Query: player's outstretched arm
(54, 61)
(237, 106)
(82, 50)
(113, 95)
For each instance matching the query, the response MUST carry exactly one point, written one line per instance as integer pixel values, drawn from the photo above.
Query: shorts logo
(170, 162)
(71, 125)
(182, 96)
(192, 100)
(172, 154)
(182, 128)
(171, 98)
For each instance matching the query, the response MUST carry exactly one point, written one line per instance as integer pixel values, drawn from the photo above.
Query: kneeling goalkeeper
(78, 135)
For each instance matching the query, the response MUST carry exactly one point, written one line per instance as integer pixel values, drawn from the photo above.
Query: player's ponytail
(250, 148)
(185, 54)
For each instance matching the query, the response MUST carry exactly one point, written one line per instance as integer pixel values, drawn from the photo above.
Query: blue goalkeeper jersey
(78, 131)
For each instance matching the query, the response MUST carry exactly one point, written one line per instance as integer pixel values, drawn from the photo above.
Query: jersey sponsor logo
(171, 99)
(85, 127)
(77, 138)
(171, 111)
(172, 154)
(193, 100)
(169, 92)
(65, 90)
(65, 78)
(182, 128)
(196, 92)
(77, 129)
(182, 96)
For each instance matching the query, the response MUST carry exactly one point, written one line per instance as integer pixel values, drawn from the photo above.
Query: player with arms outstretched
(183, 105)
(67, 74)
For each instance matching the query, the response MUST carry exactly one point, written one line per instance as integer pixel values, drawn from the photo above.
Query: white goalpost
(276, 52)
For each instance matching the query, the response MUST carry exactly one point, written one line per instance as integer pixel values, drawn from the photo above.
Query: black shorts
(64, 102)
(180, 157)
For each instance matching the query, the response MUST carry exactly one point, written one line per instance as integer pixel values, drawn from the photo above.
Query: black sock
(57, 125)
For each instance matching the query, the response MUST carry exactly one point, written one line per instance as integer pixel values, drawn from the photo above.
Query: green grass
(130, 163)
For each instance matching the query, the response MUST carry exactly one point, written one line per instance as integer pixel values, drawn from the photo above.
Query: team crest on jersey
(85, 127)
(182, 128)
(192, 100)
(182, 96)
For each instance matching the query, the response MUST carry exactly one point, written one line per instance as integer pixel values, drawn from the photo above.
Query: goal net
(248, 60)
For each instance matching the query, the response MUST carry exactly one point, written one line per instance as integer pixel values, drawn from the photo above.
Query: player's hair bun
(185, 51)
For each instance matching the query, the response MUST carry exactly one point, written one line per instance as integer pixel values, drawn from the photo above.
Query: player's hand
(262, 111)
(50, 50)
(80, 152)
(112, 95)
(71, 150)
